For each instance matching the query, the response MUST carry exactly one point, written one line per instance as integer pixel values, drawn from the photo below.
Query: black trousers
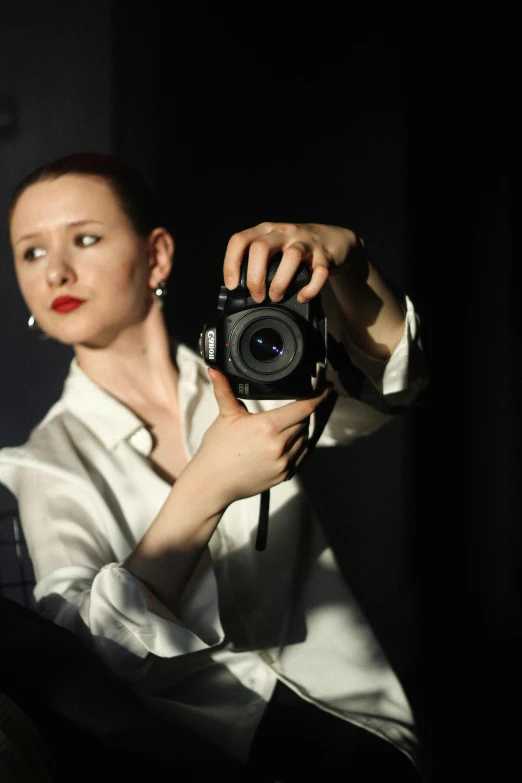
(296, 741)
(90, 723)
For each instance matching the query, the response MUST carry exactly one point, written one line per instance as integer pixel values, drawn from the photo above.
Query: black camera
(268, 350)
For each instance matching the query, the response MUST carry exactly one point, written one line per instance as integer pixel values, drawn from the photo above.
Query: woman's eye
(86, 240)
(33, 253)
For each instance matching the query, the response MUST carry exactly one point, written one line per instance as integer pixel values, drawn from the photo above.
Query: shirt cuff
(120, 603)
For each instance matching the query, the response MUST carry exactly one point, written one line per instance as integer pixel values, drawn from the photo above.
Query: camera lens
(266, 345)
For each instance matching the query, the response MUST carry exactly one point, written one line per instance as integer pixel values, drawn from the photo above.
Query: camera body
(268, 350)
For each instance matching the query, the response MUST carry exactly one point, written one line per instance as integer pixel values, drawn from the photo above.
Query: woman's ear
(161, 252)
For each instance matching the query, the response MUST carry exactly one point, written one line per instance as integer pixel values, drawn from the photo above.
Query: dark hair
(132, 192)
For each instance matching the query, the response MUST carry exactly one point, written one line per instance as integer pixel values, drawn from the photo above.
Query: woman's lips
(64, 304)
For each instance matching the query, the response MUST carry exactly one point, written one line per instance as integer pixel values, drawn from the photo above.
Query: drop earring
(33, 327)
(161, 292)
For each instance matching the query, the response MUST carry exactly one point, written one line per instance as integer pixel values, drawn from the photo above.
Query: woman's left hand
(324, 248)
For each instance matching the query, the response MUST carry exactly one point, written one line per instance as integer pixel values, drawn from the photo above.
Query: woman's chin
(83, 332)
(73, 336)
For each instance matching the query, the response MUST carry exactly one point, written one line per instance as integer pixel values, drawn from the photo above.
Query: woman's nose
(59, 271)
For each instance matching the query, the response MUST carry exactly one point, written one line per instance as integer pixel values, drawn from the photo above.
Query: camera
(268, 350)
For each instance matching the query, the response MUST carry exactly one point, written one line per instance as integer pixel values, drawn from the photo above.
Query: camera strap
(322, 414)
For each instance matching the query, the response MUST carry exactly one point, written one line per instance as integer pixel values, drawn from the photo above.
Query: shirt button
(141, 440)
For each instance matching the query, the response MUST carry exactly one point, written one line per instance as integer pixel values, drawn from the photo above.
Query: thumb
(227, 401)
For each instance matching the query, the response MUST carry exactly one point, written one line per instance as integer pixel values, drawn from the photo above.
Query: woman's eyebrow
(85, 220)
(69, 225)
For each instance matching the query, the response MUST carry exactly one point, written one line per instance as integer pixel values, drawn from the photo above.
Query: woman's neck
(137, 367)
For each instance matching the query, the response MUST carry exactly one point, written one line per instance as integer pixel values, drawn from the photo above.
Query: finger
(298, 435)
(259, 254)
(292, 257)
(227, 401)
(235, 252)
(290, 435)
(296, 456)
(297, 412)
(299, 459)
(320, 275)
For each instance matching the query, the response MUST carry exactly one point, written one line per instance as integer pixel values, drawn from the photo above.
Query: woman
(139, 491)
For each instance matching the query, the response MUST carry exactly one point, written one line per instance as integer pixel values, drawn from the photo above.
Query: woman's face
(84, 272)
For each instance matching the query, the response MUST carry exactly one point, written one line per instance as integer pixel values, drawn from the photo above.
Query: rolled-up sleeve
(81, 585)
(401, 377)
(396, 382)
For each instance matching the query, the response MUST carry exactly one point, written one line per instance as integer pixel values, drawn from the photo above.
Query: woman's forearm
(372, 315)
(170, 550)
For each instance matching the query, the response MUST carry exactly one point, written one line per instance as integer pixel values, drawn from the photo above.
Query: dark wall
(464, 184)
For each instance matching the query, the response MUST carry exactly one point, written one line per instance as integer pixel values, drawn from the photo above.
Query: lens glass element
(266, 345)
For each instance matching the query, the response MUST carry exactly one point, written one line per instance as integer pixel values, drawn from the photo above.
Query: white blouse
(87, 493)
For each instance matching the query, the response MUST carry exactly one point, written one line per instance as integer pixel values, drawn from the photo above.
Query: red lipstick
(64, 304)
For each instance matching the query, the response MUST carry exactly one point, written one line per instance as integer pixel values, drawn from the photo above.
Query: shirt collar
(108, 418)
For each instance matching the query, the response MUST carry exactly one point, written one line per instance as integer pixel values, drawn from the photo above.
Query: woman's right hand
(243, 453)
